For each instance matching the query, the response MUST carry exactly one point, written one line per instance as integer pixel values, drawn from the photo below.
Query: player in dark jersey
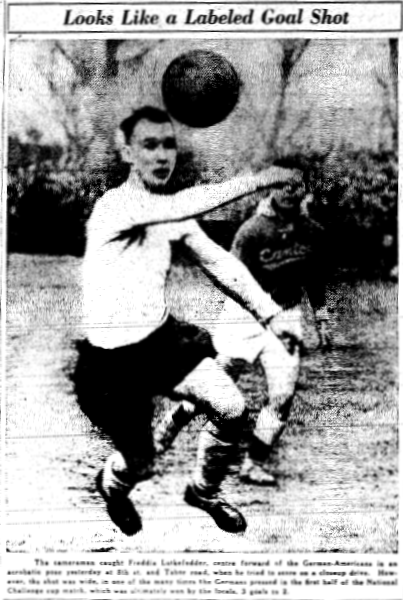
(285, 250)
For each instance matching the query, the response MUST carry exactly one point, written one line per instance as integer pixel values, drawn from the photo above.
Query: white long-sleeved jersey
(128, 257)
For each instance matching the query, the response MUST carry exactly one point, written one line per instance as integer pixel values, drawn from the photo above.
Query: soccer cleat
(120, 508)
(253, 473)
(226, 517)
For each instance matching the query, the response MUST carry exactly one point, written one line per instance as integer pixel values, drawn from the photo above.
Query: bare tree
(111, 62)
(394, 61)
(292, 53)
(387, 81)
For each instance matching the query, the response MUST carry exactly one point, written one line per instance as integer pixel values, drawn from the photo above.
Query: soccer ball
(200, 88)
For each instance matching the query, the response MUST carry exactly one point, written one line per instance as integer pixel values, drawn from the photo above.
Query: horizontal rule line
(192, 516)
(160, 31)
(202, 2)
(289, 427)
(255, 506)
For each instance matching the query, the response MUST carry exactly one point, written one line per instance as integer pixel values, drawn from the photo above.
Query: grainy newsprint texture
(200, 301)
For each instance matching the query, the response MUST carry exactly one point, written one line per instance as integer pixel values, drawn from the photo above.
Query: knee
(237, 409)
(232, 417)
(212, 391)
(231, 403)
(281, 378)
(281, 391)
(269, 427)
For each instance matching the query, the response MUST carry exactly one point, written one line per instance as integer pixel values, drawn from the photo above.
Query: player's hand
(274, 175)
(290, 341)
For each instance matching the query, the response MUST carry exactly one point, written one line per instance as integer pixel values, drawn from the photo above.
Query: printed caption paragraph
(202, 578)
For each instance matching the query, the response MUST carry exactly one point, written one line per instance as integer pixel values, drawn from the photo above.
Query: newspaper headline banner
(206, 17)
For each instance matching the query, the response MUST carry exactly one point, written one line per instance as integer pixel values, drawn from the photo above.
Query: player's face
(152, 152)
(290, 191)
(287, 200)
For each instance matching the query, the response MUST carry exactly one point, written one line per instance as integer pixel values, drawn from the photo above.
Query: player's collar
(134, 181)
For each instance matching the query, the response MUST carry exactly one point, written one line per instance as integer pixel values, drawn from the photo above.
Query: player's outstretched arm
(230, 275)
(195, 201)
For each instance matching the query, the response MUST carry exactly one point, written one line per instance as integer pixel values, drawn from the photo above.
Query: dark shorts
(115, 388)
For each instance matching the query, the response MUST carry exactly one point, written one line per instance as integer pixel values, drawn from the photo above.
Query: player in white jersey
(134, 350)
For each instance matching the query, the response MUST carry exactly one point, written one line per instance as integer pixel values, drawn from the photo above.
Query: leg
(156, 365)
(192, 345)
(180, 415)
(172, 423)
(212, 391)
(280, 359)
(103, 382)
(206, 389)
(132, 462)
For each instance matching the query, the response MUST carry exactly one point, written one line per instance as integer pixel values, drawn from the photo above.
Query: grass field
(336, 464)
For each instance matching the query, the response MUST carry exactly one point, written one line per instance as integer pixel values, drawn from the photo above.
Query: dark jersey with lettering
(285, 256)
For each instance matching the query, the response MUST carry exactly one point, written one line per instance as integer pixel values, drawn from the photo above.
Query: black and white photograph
(202, 295)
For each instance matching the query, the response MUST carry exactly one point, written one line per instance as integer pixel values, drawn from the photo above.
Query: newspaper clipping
(200, 300)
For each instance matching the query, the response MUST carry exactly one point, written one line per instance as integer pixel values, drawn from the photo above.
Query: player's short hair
(149, 113)
(295, 184)
(298, 164)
